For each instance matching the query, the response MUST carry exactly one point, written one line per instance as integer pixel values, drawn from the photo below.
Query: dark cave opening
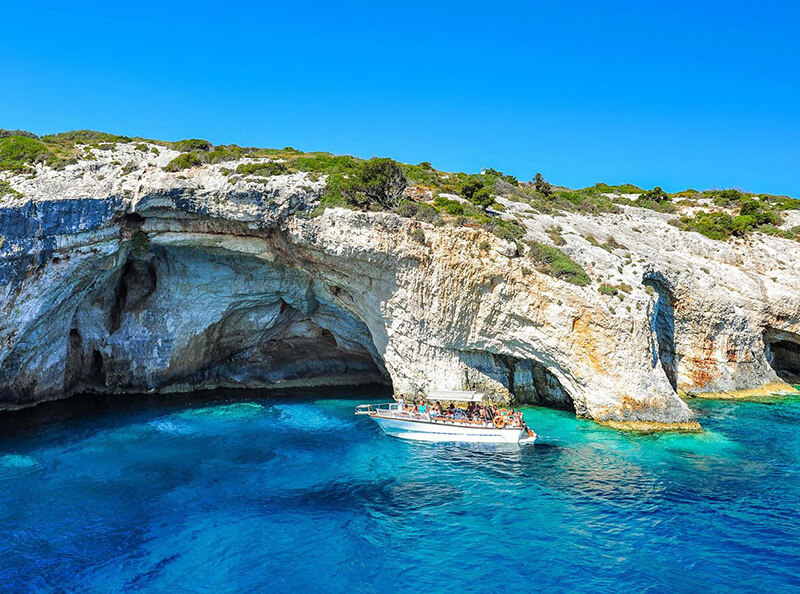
(782, 350)
(663, 327)
(531, 382)
(266, 329)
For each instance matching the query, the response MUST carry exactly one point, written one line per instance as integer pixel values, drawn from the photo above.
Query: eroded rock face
(164, 282)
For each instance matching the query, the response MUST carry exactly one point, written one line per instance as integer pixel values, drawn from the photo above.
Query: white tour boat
(398, 421)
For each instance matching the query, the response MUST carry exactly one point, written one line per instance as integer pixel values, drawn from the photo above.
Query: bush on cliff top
(17, 153)
(6, 133)
(378, 182)
(84, 137)
(754, 215)
(196, 158)
(192, 144)
(266, 169)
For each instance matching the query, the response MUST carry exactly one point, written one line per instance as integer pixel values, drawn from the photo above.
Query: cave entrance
(782, 350)
(198, 319)
(663, 327)
(531, 382)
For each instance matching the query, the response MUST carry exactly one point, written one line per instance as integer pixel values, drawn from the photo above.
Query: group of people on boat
(474, 413)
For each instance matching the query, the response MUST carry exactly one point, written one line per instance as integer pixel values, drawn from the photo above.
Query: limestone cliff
(118, 276)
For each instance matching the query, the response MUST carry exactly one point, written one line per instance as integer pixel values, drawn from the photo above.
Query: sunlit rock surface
(131, 280)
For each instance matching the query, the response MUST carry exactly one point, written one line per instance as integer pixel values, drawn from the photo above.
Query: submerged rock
(159, 282)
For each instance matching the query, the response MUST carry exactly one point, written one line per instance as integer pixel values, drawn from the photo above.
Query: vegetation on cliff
(749, 213)
(7, 190)
(554, 262)
(420, 191)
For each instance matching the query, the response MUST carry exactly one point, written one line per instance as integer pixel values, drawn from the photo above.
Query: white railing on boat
(368, 409)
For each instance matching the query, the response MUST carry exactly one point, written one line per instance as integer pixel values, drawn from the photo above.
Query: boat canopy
(456, 396)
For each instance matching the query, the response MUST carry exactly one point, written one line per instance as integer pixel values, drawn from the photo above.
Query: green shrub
(423, 174)
(84, 137)
(507, 230)
(327, 164)
(7, 190)
(655, 195)
(554, 262)
(541, 185)
(377, 182)
(727, 198)
(461, 209)
(382, 181)
(266, 169)
(221, 153)
(478, 189)
(761, 212)
(620, 189)
(335, 195)
(7, 133)
(662, 206)
(199, 157)
(183, 161)
(742, 224)
(753, 215)
(17, 153)
(509, 179)
(192, 144)
(407, 208)
(451, 207)
(420, 211)
(588, 200)
(716, 225)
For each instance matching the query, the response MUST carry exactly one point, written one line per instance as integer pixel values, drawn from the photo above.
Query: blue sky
(677, 94)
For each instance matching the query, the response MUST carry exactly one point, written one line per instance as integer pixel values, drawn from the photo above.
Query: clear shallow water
(279, 494)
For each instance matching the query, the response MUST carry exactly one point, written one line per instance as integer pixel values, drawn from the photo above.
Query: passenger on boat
(423, 407)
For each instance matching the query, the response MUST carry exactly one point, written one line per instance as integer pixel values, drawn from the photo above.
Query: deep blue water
(281, 494)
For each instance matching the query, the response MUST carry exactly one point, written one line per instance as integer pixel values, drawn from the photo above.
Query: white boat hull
(444, 431)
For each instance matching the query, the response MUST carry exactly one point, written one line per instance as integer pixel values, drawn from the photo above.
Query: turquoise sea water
(283, 494)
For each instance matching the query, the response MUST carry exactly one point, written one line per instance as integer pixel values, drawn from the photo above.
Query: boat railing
(384, 408)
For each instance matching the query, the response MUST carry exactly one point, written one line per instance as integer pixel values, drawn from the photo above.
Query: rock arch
(196, 317)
